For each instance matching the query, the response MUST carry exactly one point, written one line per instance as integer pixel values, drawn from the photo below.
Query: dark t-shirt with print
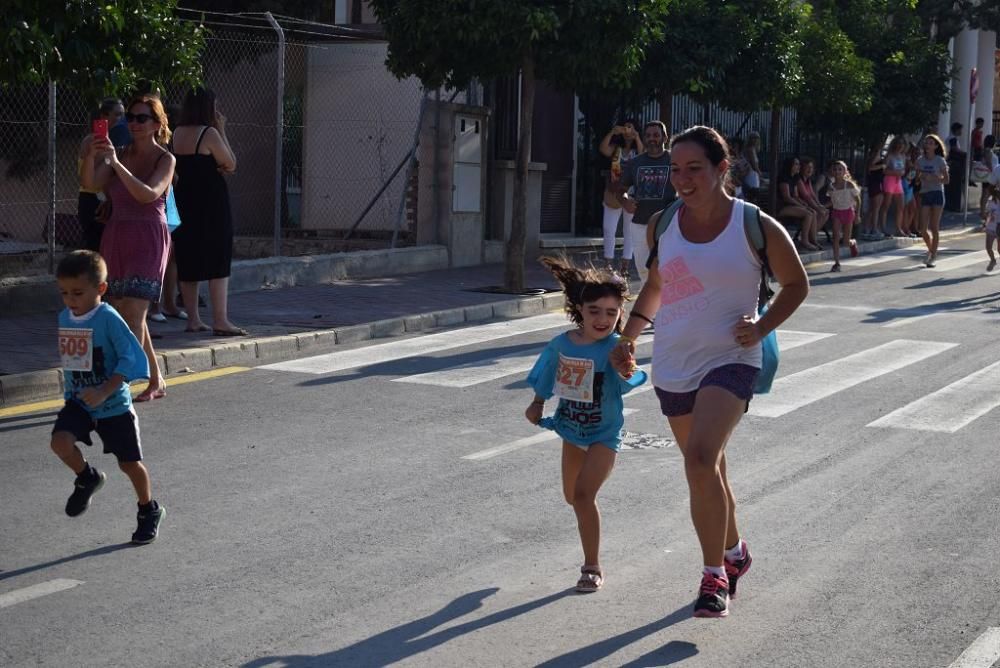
(649, 179)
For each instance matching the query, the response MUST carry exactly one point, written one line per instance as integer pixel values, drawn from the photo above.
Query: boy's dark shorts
(739, 379)
(119, 433)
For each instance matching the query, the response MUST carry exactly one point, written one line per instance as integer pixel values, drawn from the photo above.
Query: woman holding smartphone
(135, 241)
(110, 112)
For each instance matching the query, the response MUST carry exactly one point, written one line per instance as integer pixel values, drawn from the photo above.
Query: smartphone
(100, 127)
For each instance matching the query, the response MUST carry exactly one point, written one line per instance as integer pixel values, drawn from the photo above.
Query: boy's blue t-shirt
(95, 347)
(590, 406)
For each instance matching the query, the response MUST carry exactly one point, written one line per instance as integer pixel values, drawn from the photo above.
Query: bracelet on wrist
(628, 339)
(641, 315)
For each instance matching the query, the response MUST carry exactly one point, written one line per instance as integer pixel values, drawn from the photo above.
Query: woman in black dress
(203, 244)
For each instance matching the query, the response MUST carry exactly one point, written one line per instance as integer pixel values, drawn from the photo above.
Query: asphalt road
(389, 505)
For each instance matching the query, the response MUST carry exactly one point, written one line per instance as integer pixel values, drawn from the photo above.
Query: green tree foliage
(578, 45)
(100, 47)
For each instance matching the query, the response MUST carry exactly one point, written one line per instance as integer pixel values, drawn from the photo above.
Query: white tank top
(706, 289)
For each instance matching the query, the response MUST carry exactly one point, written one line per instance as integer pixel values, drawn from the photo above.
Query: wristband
(640, 315)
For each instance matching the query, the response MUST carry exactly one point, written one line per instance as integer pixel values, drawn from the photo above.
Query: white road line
(513, 445)
(800, 389)
(420, 345)
(36, 591)
(950, 408)
(942, 265)
(482, 371)
(908, 320)
(983, 653)
(790, 338)
(869, 260)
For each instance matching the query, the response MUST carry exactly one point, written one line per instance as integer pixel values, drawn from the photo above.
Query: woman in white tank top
(706, 348)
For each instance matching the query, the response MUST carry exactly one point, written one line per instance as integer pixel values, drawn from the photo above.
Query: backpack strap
(665, 217)
(754, 229)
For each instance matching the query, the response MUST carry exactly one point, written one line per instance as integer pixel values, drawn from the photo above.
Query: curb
(32, 386)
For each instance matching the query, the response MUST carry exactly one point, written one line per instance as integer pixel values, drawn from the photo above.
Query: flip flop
(180, 315)
(157, 317)
(199, 328)
(149, 394)
(239, 331)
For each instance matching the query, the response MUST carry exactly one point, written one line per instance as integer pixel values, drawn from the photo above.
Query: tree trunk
(514, 271)
(665, 98)
(774, 139)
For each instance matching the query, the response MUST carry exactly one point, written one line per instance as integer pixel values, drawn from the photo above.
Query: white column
(944, 118)
(984, 101)
(966, 52)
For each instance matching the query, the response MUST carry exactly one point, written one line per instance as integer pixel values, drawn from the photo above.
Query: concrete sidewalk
(307, 320)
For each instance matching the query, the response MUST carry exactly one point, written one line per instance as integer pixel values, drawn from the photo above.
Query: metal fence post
(279, 133)
(52, 177)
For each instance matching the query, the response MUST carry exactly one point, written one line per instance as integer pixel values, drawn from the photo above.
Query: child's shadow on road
(411, 639)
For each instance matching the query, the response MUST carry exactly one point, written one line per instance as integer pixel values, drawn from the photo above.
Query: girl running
(992, 218)
(933, 171)
(844, 195)
(590, 415)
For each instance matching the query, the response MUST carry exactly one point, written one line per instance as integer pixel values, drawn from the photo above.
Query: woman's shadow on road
(411, 639)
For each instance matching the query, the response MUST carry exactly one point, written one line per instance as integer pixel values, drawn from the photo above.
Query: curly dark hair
(583, 285)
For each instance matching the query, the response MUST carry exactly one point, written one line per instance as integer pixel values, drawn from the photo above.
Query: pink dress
(135, 244)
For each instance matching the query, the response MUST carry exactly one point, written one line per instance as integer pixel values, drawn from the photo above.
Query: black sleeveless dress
(203, 244)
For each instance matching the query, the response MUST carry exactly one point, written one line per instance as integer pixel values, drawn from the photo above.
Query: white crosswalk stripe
(945, 264)
(804, 387)
(950, 408)
(420, 345)
(889, 256)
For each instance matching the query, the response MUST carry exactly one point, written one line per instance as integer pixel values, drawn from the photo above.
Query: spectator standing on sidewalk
(990, 161)
(707, 350)
(977, 140)
(112, 110)
(100, 355)
(933, 171)
(751, 182)
(620, 145)
(204, 241)
(135, 241)
(911, 200)
(892, 188)
(648, 177)
(874, 168)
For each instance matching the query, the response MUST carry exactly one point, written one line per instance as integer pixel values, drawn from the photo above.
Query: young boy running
(100, 355)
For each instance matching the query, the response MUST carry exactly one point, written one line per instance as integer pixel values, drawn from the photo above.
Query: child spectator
(845, 196)
(574, 367)
(807, 194)
(873, 182)
(892, 187)
(100, 355)
(992, 217)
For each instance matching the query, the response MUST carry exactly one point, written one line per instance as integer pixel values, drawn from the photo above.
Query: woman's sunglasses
(137, 118)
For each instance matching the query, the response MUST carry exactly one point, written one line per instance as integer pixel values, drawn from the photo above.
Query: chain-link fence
(344, 124)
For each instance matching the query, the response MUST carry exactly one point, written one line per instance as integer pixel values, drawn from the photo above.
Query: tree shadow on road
(409, 639)
(96, 552)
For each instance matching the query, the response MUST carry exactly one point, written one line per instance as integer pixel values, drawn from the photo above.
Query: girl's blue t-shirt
(95, 348)
(583, 371)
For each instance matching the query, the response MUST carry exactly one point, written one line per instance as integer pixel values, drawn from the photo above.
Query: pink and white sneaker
(737, 569)
(713, 597)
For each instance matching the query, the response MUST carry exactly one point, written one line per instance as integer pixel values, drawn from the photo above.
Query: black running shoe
(149, 525)
(713, 597)
(85, 485)
(737, 569)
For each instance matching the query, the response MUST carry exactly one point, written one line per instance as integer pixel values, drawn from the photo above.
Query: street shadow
(26, 421)
(96, 552)
(673, 652)
(826, 277)
(944, 282)
(423, 364)
(408, 640)
(969, 304)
